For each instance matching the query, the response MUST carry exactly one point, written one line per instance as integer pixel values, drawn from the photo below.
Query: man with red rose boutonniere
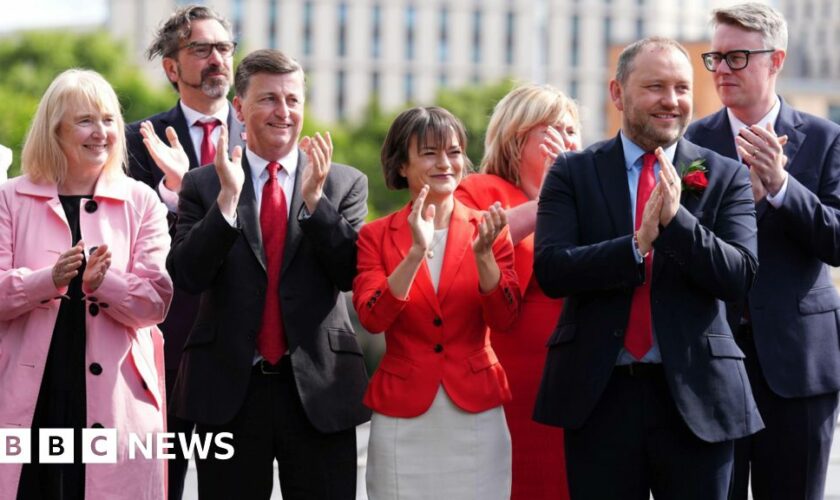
(788, 326)
(642, 369)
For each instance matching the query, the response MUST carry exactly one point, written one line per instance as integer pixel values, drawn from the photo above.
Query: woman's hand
(492, 223)
(67, 266)
(97, 266)
(422, 224)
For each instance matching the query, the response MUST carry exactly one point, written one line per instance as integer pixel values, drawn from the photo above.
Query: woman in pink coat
(82, 286)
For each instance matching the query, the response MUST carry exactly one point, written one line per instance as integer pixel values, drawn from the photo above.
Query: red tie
(208, 149)
(271, 341)
(639, 336)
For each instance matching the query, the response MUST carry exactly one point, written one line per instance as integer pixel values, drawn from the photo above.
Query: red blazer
(433, 338)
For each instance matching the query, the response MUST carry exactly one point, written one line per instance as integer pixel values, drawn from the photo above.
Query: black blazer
(583, 251)
(227, 266)
(794, 306)
(142, 167)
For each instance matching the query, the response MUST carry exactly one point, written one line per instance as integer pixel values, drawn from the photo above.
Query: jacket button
(437, 321)
(618, 333)
(438, 348)
(97, 425)
(103, 305)
(95, 368)
(91, 298)
(145, 386)
(94, 309)
(91, 206)
(377, 293)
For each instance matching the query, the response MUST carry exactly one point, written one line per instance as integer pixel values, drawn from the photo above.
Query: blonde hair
(514, 116)
(42, 158)
(757, 17)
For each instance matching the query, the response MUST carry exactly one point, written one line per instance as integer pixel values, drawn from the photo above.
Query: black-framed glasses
(735, 59)
(202, 50)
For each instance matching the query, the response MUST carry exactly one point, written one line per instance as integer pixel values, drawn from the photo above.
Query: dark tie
(271, 341)
(208, 149)
(639, 336)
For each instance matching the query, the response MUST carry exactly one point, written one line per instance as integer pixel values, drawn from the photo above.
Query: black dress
(61, 400)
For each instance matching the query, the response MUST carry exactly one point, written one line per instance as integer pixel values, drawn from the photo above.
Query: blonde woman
(528, 129)
(82, 284)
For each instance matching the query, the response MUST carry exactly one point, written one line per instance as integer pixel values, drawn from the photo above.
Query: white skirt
(445, 453)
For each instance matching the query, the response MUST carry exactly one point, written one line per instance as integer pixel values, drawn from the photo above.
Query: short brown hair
(271, 61)
(178, 28)
(754, 16)
(428, 125)
(628, 55)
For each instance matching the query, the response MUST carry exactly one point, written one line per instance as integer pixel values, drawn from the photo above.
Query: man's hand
(231, 175)
(649, 227)
(172, 159)
(762, 150)
(671, 188)
(319, 150)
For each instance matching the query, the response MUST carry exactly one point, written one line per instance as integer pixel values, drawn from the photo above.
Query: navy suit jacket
(706, 255)
(142, 167)
(794, 307)
(226, 265)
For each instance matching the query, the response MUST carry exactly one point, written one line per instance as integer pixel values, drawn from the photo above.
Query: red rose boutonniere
(693, 176)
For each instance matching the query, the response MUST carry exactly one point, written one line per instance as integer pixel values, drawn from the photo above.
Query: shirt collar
(193, 116)
(770, 118)
(258, 164)
(632, 152)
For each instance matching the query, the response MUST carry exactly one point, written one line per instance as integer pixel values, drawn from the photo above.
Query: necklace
(430, 252)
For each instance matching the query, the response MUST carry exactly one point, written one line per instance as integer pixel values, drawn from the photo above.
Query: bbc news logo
(99, 446)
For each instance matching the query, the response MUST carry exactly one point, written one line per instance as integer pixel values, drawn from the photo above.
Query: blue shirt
(633, 162)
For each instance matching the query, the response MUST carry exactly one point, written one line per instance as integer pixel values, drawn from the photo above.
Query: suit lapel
(247, 213)
(612, 174)
(458, 240)
(293, 232)
(400, 236)
(719, 132)
(788, 123)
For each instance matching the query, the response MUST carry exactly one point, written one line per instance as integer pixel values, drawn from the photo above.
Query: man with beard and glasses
(196, 46)
(788, 328)
(646, 235)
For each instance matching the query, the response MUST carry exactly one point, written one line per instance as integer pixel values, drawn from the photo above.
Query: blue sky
(20, 14)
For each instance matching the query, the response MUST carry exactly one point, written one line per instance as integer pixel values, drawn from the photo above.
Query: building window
(237, 13)
(307, 28)
(443, 80)
(607, 32)
(476, 36)
(376, 39)
(273, 16)
(408, 84)
(443, 35)
(640, 28)
(834, 113)
(575, 44)
(375, 83)
(342, 29)
(510, 25)
(341, 94)
(573, 89)
(410, 15)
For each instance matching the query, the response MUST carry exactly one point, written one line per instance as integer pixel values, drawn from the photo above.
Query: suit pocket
(397, 367)
(562, 334)
(819, 300)
(483, 359)
(343, 341)
(724, 346)
(202, 334)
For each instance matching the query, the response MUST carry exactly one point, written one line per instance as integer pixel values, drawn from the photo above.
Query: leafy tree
(31, 60)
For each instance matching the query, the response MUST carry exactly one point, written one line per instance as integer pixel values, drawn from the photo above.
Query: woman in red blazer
(528, 129)
(433, 276)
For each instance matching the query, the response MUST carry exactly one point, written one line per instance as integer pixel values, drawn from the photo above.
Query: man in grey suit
(196, 48)
(268, 238)
(788, 327)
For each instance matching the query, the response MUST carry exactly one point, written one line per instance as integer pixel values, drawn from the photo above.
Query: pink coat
(128, 394)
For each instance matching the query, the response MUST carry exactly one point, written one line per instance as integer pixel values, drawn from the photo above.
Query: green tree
(31, 60)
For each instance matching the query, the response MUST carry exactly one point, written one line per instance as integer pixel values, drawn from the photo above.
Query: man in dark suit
(196, 48)
(642, 369)
(789, 326)
(268, 239)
